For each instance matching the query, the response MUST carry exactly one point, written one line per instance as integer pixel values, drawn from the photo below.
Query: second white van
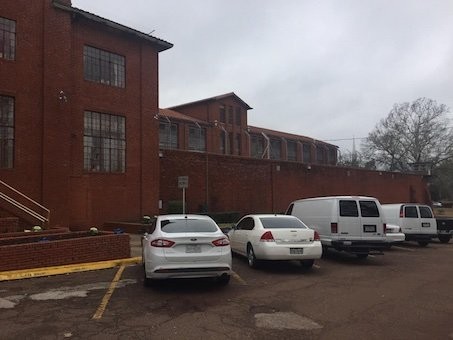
(416, 221)
(349, 223)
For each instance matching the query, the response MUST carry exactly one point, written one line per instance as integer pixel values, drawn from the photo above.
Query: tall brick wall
(250, 185)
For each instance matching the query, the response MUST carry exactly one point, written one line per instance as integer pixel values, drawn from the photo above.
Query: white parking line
(370, 255)
(403, 248)
(316, 266)
(238, 278)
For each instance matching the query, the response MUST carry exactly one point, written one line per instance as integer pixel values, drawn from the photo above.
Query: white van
(350, 223)
(417, 221)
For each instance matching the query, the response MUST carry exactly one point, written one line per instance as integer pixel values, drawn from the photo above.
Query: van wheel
(251, 258)
(307, 264)
(362, 256)
(444, 238)
(423, 243)
(223, 280)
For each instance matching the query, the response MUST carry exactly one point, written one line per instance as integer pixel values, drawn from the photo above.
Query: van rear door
(349, 226)
(372, 225)
(427, 220)
(411, 221)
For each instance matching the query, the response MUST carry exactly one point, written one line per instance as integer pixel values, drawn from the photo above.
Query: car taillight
(162, 243)
(334, 228)
(221, 242)
(402, 211)
(385, 227)
(267, 237)
(317, 238)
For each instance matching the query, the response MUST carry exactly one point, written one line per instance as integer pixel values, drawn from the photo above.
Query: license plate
(296, 251)
(193, 248)
(368, 228)
(426, 225)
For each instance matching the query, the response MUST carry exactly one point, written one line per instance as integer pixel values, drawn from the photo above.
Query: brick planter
(47, 249)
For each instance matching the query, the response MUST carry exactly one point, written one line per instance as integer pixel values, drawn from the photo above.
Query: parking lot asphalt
(404, 294)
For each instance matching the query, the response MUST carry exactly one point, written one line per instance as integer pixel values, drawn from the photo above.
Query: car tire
(362, 256)
(307, 264)
(251, 258)
(444, 238)
(223, 280)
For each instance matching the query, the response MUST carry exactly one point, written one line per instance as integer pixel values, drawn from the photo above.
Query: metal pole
(183, 201)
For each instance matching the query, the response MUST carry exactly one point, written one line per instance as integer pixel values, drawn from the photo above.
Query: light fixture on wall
(62, 96)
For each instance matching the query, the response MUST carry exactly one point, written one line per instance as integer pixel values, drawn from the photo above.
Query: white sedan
(185, 246)
(275, 237)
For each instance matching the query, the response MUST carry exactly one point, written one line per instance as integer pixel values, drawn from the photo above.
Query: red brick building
(219, 125)
(78, 94)
(81, 132)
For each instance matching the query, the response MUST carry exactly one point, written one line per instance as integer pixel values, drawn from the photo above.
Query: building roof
(162, 45)
(216, 98)
(274, 133)
(167, 113)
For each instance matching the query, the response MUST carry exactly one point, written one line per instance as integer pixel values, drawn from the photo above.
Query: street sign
(183, 182)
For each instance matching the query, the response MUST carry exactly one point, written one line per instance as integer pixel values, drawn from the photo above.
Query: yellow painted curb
(70, 268)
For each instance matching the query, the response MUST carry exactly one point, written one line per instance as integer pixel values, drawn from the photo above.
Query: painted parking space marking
(403, 248)
(316, 266)
(65, 269)
(108, 294)
(61, 293)
(238, 278)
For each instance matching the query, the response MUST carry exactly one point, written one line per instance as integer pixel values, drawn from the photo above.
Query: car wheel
(423, 243)
(307, 264)
(444, 238)
(223, 280)
(362, 256)
(251, 258)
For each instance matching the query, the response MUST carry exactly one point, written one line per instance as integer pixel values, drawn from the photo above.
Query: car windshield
(186, 225)
(282, 222)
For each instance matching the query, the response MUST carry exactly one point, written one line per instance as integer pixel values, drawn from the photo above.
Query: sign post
(183, 183)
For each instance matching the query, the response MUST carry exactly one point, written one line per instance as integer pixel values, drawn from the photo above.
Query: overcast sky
(324, 69)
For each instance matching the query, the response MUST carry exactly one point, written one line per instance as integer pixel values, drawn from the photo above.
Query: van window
(349, 209)
(425, 212)
(410, 212)
(369, 209)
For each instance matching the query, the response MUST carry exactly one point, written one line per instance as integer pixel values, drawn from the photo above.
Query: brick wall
(106, 246)
(250, 185)
(9, 224)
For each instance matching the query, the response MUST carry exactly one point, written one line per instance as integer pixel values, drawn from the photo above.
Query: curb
(66, 269)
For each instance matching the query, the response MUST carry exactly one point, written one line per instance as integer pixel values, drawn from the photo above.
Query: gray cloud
(326, 69)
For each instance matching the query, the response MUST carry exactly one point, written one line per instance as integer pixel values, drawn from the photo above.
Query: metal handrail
(44, 218)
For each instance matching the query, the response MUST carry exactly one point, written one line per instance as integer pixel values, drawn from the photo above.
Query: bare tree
(414, 136)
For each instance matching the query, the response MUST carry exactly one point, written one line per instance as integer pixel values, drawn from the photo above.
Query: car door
(242, 232)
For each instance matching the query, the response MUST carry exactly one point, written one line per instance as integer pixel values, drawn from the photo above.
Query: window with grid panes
(7, 39)
(104, 142)
(103, 67)
(6, 131)
(291, 150)
(168, 135)
(197, 138)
